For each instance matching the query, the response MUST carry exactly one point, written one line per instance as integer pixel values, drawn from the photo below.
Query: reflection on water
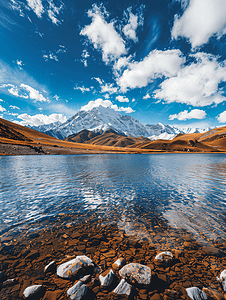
(187, 190)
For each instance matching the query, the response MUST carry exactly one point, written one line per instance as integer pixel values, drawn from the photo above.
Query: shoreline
(24, 257)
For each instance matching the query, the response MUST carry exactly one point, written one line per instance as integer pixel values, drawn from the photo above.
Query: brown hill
(16, 139)
(108, 138)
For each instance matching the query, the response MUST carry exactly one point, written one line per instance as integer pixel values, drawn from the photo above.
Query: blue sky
(158, 61)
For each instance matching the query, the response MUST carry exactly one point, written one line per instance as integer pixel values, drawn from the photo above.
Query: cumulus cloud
(147, 96)
(106, 104)
(122, 98)
(201, 20)
(134, 21)
(185, 115)
(103, 35)
(156, 64)
(222, 117)
(2, 109)
(196, 84)
(40, 119)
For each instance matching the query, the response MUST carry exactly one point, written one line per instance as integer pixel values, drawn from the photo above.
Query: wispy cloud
(53, 55)
(40, 8)
(2, 109)
(106, 87)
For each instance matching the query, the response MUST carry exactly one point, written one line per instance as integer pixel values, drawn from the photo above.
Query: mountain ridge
(99, 119)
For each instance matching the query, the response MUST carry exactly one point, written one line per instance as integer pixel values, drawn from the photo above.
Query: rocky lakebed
(94, 260)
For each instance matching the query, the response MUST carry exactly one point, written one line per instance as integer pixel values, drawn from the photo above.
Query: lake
(183, 191)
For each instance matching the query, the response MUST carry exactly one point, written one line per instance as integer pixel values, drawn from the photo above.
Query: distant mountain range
(99, 119)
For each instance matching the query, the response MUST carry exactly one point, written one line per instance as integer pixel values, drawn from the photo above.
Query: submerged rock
(123, 288)
(196, 294)
(164, 258)
(222, 279)
(32, 290)
(108, 279)
(120, 262)
(136, 273)
(77, 291)
(71, 268)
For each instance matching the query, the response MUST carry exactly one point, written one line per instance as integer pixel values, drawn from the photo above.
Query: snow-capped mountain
(100, 119)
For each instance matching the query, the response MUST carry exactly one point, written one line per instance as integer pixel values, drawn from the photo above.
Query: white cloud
(2, 100)
(85, 55)
(127, 110)
(40, 119)
(14, 107)
(201, 20)
(96, 103)
(195, 84)
(134, 21)
(103, 35)
(222, 117)
(147, 96)
(54, 54)
(82, 89)
(122, 98)
(133, 100)
(185, 115)
(33, 93)
(106, 104)
(106, 87)
(2, 109)
(19, 63)
(156, 64)
(36, 6)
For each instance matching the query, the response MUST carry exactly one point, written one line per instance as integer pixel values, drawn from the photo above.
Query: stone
(120, 262)
(222, 279)
(32, 290)
(136, 273)
(123, 288)
(196, 294)
(51, 267)
(77, 291)
(214, 294)
(71, 268)
(1, 274)
(108, 279)
(164, 258)
(85, 279)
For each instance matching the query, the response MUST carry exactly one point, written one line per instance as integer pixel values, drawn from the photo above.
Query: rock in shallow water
(123, 288)
(222, 279)
(164, 258)
(51, 267)
(32, 290)
(77, 291)
(108, 279)
(120, 262)
(196, 294)
(71, 267)
(136, 273)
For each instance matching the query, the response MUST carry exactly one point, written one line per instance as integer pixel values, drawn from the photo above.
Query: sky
(155, 60)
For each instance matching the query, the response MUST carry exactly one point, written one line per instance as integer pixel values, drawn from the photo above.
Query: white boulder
(136, 273)
(71, 267)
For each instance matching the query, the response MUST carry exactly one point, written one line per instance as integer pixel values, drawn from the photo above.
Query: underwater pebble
(196, 294)
(123, 288)
(32, 290)
(71, 267)
(107, 280)
(77, 291)
(136, 273)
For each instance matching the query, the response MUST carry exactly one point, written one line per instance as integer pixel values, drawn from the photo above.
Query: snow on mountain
(99, 119)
